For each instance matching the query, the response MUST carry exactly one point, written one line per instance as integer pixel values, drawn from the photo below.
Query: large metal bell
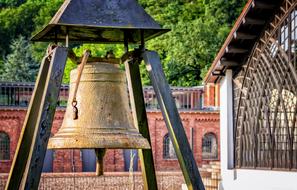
(104, 118)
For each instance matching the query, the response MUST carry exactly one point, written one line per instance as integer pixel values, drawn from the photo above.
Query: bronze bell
(104, 120)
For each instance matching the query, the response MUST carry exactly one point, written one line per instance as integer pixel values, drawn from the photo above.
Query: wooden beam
(25, 141)
(28, 160)
(253, 21)
(140, 121)
(228, 63)
(72, 56)
(173, 122)
(217, 73)
(45, 118)
(232, 49)
(243, 36)
(263, 5)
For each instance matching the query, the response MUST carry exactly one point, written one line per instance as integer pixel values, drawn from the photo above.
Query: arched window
(209, 146)
(168, 150)
(4, 146)
(265, 99)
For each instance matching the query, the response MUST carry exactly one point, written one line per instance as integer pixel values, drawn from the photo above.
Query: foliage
(97, 50)
(192, 53)
(198, 28)
(19, 65)
(16, 21)
(46, 12)
(10, 3)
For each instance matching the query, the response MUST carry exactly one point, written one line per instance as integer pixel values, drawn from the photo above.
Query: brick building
(198, 113)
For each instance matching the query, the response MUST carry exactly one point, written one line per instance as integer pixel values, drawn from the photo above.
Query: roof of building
(100, 21)
(242, 38)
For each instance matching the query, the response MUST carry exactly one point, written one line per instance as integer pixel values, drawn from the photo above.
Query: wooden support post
(28, 160)
(140, 120)
(23, 148)
(173, 122)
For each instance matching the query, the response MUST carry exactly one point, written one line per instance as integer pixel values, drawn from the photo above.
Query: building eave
(242, 37)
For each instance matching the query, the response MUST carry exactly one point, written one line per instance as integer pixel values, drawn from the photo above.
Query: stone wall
(11, 121)
(113, 181)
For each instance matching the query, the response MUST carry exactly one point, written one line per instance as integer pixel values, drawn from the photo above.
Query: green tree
(199, 28)
(19, 65)
(1, 65)
(45, 13)
(10, 3)
(24, 18)
(97, 50)
(195, 44)
(16, 21)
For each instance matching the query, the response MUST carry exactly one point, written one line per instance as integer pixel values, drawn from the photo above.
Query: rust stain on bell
(104, 118)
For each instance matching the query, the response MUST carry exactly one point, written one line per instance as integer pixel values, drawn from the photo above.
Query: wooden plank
(140, 120)
(173, 122)
(73, 57)
(263, 5)
(232, 49)
(228, 63)
(45, 118)
(253, 21)
(26, 136)
(217, 73)
(244, 36)
(28, 161)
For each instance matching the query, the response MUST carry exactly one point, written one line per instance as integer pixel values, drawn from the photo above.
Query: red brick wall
(10, 124)
(201, 122)
(11, 121)
(211, 95)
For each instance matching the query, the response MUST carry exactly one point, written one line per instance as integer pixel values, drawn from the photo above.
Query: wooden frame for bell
(99, 21)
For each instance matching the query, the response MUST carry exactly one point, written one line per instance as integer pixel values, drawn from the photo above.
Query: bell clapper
(100, 152)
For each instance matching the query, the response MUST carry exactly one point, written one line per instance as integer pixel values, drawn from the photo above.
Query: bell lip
(40, 36)
(79, 143)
